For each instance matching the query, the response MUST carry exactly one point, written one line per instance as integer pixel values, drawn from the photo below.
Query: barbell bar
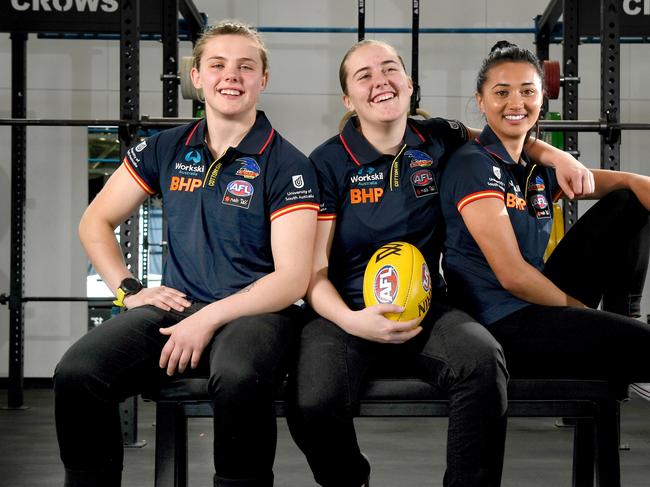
(600, 125)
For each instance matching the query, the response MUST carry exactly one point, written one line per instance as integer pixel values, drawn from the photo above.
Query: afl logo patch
(422, 178)
(240, 188)
(238, 193)
(539, 202)
(386, 284)
(426, 278)
(540, 206)
(424, 184)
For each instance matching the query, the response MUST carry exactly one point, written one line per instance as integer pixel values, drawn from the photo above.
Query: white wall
(80, 79)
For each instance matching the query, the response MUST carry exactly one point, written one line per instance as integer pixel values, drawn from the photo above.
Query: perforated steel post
(570, 45)
(18, 195)
(129, 111)
(610, 66)
(170, 58)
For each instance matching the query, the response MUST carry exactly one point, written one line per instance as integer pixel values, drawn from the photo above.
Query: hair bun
(502, 45)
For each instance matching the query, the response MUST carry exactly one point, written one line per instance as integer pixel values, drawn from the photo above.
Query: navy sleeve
(328, 188)
(292, 181)
(453, 133)
(471, 176)
(143, 164)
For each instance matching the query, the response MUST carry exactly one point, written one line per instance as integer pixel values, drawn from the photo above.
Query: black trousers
(453, 353)
(604, 257)
(246, 361)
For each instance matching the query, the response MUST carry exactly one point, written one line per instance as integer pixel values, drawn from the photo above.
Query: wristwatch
(127, 287)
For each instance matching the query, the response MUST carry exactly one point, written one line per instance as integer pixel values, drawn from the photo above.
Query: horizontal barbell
(52, 122)
(600, 125)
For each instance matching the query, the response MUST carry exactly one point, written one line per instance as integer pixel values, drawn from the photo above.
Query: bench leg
(608, 468)
(171, 446)
(583, 452)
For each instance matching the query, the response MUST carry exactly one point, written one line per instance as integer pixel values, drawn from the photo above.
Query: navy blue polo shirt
(377, 198)
(219, 211)
(484, 169)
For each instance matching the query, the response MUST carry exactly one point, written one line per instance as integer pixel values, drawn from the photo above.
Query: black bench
(591, 406)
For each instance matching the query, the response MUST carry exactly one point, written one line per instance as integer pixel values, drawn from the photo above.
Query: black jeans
(246, 361)
(453, 353)
(603, 256)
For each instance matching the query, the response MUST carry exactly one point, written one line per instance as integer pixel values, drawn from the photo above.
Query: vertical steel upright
(18, 197)
(570, 43)
(542, 48)
(129, 112)
(610, 94)
(415, 58)
(361, 29)
(170, 58)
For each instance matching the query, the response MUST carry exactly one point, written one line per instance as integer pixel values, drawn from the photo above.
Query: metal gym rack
(129, 22)
(159, 20)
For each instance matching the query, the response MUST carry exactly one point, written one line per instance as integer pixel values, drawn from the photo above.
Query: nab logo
(179, 183)
(386, 284)
(365, 195)
(240, 188)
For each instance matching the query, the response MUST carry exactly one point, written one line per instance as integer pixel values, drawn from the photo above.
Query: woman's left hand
(187, 340)
(573, 177)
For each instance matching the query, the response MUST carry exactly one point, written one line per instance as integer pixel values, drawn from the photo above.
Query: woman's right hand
(371, 324)
(162, 297)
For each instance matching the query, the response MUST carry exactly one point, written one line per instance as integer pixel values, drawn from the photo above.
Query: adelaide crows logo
(418, 158)
(250, 169)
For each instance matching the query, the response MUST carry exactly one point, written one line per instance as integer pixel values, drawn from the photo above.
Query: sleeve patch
(478, 196)
(292, 208)
(137, 178)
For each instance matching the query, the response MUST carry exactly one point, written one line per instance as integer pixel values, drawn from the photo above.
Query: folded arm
(572, 176)
(489, 224)
(292, 237)
(368, 323)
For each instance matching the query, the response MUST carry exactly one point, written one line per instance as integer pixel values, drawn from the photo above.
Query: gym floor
(404, 452)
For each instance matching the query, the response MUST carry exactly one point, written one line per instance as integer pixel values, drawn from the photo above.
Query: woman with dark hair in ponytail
(498, 210)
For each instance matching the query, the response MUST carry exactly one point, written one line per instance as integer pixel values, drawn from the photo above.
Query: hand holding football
(398, 274)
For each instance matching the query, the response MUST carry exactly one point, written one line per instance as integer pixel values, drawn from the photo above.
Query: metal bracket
(612, 132)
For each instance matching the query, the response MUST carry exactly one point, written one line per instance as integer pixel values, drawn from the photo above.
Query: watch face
(130, 285)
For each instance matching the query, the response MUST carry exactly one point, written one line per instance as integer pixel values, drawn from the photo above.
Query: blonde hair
(343, 70)
(230, 27)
